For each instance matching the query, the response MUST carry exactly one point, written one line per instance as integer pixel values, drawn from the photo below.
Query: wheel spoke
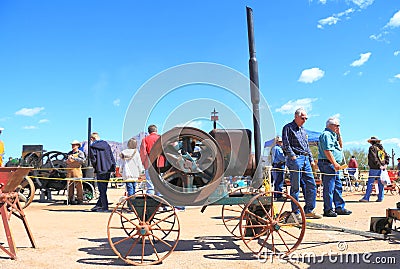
(283, 241)
(123, 240)
(154, 248)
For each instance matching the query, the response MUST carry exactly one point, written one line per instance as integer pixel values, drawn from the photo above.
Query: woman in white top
(131, 166)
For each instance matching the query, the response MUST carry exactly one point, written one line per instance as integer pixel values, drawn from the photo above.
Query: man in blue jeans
(103, 162)
(378, 161)
(299, 160)
(330, 156)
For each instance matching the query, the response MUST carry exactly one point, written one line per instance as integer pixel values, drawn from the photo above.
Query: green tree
(314, 151)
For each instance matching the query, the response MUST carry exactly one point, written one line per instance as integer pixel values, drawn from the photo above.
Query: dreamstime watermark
(335, 257)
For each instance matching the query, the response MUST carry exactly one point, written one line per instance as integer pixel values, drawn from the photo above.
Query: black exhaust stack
(255, 98)
(89, 171)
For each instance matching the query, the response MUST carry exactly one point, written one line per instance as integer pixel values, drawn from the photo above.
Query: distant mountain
(116, 147)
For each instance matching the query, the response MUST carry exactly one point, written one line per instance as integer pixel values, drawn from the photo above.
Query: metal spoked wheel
(143, 229)
(26, 192)
(127, 204)
(231, 214)
(231, 218)
(269, 227)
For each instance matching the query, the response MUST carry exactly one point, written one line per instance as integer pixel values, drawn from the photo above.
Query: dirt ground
(70, 236)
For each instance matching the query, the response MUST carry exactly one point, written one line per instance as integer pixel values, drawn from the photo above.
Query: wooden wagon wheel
(26, 192)
(140, 232)
(271, 227)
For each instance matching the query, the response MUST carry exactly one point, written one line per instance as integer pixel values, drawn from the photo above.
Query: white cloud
(364, 143)
(380, 37)
(356, 143)
(363, 3)
(43, 121)
(363, 59)
(116, 102)
(334, 18)
(31, 127)
(193, 123)
(395, 141)
(394, 21)
(346, 73)
(327, 21)
(311, 75)
(29, 112)
(331, 20)
(396, 53)
(397, 76)
(292, 105)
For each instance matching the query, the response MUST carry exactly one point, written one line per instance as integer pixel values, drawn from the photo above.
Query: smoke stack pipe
(89, 134)
(255, 96)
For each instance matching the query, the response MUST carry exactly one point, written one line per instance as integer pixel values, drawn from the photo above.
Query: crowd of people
(292, 150)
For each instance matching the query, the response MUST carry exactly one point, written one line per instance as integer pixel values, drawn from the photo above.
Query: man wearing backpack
(378, 160)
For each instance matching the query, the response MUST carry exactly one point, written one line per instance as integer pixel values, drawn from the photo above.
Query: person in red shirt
(353, 165)
(145, 148)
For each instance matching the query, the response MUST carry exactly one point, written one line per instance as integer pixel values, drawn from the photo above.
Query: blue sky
(64, 61)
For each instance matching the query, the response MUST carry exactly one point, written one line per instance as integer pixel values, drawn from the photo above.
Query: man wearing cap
(75, 159)
(299, 161)
(1, 148)
(278, 165)
(378, 160)
(330, 155)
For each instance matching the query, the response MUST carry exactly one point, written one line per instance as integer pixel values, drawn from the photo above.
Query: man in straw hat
(75, 159)
(378, 160)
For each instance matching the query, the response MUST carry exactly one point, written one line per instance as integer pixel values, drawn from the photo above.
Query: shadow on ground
(105, 255)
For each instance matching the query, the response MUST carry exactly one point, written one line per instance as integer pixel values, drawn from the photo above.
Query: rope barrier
(315, 172)
(119, 179)
(112, 180)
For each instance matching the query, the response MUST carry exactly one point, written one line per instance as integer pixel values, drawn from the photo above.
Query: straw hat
(373, 139)
(76, 142)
